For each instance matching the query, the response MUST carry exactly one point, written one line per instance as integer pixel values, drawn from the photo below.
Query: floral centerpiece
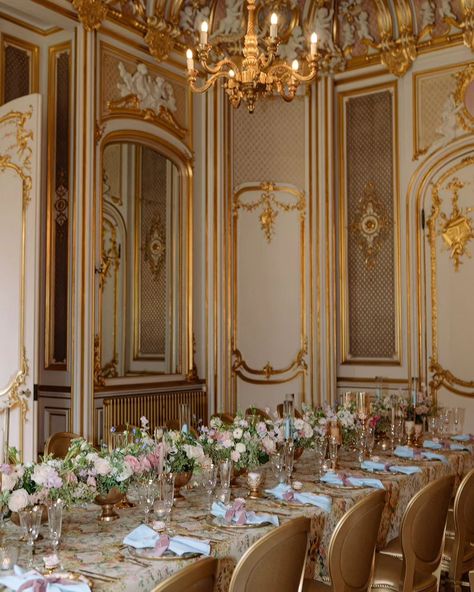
(182, 452)
(346, 417)
(25, 485)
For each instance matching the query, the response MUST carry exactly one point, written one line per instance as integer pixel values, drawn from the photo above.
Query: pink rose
(235, 456)
(91, 481)
(145, 464)
(133, 463)
(70, 477)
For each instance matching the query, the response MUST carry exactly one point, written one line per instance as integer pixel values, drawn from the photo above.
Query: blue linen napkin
(144, 537)
(219, 511)
(462, 437)
(461, 447)
(322, 501)
(21, 576)
(335, 479)
(404, 452)
(432, 444)
(434, 456)
(370, 465)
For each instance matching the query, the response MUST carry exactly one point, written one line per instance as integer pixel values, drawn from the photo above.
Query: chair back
(226, 418)
(58, 444)
(298, 414)
(352, 545)
(463, 524)
(275, 562)
(257, 412)
(422, 529)
(197, 577)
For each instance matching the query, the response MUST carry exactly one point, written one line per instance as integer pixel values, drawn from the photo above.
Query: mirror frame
(183, 163)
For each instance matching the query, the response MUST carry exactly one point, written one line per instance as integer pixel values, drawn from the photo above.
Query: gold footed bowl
(107, 503)
(180, 480)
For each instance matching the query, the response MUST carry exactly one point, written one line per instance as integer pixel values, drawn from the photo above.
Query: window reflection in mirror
(139, 287)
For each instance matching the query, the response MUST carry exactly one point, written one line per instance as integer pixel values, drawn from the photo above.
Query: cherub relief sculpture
(448, 129)
(323, 28)
(152, 93)
(230, 23)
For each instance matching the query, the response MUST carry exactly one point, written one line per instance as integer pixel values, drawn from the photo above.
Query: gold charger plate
(221, 523)
(289, 504)
(68, 575)
(342, 487)
(167, 555)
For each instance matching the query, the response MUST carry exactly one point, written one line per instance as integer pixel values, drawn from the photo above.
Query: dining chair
(58, 444)
(197, 577)
(351, 548)
(257, 412)
(226, 418)
(408, 563)
(298, 414)
(471, 580)
(458, 553)
(275, 562)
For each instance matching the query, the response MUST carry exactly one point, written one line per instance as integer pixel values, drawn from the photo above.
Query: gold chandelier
(259, 73)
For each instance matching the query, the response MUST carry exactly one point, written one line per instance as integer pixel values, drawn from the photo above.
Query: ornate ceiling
(351, 33)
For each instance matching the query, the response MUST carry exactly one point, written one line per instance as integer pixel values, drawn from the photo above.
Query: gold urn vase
(107, 503)
(180, 480)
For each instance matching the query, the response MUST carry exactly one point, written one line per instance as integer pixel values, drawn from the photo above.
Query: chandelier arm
(281, 91)
(207, 85)
(218, 67)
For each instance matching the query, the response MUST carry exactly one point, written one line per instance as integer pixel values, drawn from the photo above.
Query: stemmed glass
(289, 452)
(458, 419)
(55, 521)
(164, 504)
(370, 440)
(147, 493)
(225, 473)
(320, 448)
(333, 449)
(277, 460)
(30, 521)
(209, 481)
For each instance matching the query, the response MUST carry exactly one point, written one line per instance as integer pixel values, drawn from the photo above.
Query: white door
(19, 249)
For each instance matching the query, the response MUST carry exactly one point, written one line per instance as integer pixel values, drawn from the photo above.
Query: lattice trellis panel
(371, 280)
(153, 272)
(17, 64)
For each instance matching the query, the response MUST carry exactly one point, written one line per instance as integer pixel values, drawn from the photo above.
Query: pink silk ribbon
(237, 511)
(40, 584)
(162, 544)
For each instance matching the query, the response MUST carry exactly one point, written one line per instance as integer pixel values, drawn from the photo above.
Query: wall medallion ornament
(155, 246)
(91, 13)
(370, 225)
(455, 228)
(271, 205)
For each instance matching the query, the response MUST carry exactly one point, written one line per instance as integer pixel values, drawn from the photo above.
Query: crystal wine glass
(289, 452)
(209, 481)
(30, 521)
(370, 440)
(458, 419)
(147, 493)
(277, 460)
(55, 521)
(225, 472)
(333, 449)
(320, 448)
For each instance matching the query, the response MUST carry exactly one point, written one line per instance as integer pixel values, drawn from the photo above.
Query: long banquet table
(91, 545)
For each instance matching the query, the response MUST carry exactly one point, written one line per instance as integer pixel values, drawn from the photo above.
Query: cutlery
(96, 576)
(131, 559)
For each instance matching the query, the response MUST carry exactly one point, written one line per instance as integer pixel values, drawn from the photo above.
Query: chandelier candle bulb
(295, 65)
(273, 25)
(204, 31)
(314, 45)
(189, 60)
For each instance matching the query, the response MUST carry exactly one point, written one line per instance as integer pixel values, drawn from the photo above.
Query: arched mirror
(142, 284)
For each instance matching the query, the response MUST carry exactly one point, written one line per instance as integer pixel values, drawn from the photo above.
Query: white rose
(8, 481)
(102, 466)
(19, 499)
(238, 433)
(125, 474)
(240, 447)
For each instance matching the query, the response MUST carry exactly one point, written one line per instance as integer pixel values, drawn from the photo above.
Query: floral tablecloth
(91, 545)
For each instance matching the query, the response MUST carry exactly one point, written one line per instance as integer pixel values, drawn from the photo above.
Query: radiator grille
(158, 408)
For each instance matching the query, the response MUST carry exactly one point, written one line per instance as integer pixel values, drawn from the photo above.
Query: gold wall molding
(32, 51)
(442, 377)
(17, 158)
(371, 225)
(268, 374)
(270, 205)
(92, 13)
(464, 97)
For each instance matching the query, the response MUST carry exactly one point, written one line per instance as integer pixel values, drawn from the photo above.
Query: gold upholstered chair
(226, 418)
(58, 444)
(351, 548)
(471, 580)
(458, 553)
(408, 563)
(197, 577)
(275, 562)
(298, 414)
(260, 413)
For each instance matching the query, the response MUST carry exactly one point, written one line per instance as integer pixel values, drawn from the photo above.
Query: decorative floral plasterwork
(155, 246)
(370, 225)
(456, 227)
(270, 205)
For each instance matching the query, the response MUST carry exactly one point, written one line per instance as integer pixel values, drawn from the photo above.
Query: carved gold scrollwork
(270, 205)
(91, 13)
(241, 369)
(442, 377)
(160, 37)
(155, 246)
(99, 379)
(464, 98)
(370, 224)
(467, 25)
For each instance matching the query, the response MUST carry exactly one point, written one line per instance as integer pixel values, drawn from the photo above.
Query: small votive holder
(51, 561)
(254, 480)
(8, 556)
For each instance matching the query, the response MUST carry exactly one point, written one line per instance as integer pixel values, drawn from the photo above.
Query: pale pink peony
(235, 456)
(102, 466)
(91, 481)
(133, 463)
(19, 500)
